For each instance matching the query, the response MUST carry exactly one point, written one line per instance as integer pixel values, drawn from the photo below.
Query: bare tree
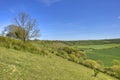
(28, 24)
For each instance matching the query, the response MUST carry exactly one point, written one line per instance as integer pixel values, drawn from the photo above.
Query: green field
(100, 46)
(104, 52)
(17, 65)
(105, 55)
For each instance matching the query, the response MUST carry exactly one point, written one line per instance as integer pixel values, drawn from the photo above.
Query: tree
(24, 28)
(14, 31)
(28, 24)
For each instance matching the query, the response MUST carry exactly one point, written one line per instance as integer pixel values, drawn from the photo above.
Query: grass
(18, 65)
(105, 55)
(100, 46)
(103, 52)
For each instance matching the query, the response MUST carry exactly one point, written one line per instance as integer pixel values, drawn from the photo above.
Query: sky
(67, 19)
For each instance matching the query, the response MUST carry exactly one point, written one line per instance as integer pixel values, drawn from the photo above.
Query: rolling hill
(18, 65)
(38, 60)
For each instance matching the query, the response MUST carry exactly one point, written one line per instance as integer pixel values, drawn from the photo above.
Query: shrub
(116, 70)
(73, 58)
(100, 62)
(66, 56)
(95, 72)
(115, 62)
(91, 63)
(18, 45)
(44, 52)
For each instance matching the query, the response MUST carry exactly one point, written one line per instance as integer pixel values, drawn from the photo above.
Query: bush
(116, 70)
(45, 52)
(18, 45)
(100, 62)
(91, 63)
(73, 58)
(95, 72)
(115, 62)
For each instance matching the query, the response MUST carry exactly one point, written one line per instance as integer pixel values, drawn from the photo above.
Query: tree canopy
(24, 27)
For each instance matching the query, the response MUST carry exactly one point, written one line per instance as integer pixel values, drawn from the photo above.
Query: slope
(18, 65)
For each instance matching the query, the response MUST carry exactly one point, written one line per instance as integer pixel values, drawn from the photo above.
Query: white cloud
(49, 2)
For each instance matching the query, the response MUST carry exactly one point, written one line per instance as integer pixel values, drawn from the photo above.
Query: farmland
(103, 52)
(105, 55)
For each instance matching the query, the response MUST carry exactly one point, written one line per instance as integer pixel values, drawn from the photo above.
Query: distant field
(105, 55)
(102, 46)
(17, 65)
(104, 52)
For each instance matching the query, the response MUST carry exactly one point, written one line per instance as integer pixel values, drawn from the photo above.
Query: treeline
(92, 42)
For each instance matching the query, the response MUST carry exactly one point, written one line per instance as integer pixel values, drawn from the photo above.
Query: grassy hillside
(18, 65)
(16, 54)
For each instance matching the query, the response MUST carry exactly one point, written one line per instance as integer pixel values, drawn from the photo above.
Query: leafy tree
(24, 28)
(14, 31)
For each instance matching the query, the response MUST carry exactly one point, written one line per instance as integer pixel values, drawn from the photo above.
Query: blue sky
(67, 19)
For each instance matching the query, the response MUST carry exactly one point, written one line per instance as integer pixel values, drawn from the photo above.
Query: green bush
(72, 54)
(18, 45)
(100, 63)
(45, 52)
(91, 63)
(115, 62)
(96, 71)
(116, 70)
(74, 58)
